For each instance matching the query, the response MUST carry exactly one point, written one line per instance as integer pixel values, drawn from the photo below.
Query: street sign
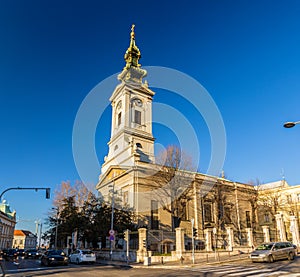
(111, 237)
(111, 232)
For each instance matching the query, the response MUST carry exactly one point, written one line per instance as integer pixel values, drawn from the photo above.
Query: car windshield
(84, 252)
(56, 252)
(264, 247)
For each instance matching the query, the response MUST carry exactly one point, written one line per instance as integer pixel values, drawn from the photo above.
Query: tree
(92, 221)
(78, 191)
(174, 179)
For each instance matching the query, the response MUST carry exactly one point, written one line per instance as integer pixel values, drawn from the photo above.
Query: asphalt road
(28, 268)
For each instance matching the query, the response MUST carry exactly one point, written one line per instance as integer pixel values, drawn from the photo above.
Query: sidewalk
(178, 264)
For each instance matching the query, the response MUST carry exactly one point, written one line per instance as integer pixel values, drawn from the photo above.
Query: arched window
(137, 108)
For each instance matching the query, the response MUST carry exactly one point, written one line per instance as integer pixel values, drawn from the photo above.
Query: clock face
(138, 102)
(119, 105)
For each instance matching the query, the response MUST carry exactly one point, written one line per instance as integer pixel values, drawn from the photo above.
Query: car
(9, 254)
(82, 256)
(20, 252)
(54, 257)
(272, 251)
(32, 253)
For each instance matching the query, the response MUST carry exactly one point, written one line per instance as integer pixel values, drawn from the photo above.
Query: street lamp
(111, 232)
(290, 124)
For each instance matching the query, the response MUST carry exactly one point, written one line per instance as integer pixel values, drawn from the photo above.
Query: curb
(166, 266)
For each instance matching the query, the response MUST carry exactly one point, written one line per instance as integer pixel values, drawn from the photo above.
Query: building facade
(7, 225)
(24, 239)
(278, 210)
(161, 199)
(217, 212)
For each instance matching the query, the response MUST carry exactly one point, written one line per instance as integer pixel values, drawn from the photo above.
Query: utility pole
(193, 241)
(127, 239)
(56, 227)
(111, 232)
(40, 237)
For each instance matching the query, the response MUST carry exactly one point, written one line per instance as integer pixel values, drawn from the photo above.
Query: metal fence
(161, 242)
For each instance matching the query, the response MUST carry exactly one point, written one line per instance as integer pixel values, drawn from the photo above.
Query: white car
(82, 256)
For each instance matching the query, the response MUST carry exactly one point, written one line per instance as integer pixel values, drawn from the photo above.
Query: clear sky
(53, 53)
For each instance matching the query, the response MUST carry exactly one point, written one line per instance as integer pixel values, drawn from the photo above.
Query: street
(243, 268)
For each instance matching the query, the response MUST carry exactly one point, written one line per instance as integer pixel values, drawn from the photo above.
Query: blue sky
(53, 53)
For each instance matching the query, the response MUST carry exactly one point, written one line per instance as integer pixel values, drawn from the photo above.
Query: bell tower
(131, 129)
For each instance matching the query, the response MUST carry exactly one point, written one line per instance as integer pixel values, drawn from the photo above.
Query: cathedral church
(164, 198)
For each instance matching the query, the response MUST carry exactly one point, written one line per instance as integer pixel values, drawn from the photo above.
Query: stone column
(230, 238)
(294, 228)
(266, 231)
(179, 242)
(280, 227)
(208, 239)
(142, 252)
(249, 237)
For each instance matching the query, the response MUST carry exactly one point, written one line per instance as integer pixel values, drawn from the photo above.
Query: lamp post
(56, 227)
(290, 124)
(111, 232)
(193, 241)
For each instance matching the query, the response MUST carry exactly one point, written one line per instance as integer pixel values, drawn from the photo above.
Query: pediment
(110, 174)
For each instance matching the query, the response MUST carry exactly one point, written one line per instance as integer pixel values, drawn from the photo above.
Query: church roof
(274, 185)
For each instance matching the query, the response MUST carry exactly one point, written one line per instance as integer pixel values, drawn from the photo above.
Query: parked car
(54, 257)
(32, 253)
(272, 251)
(9, 254)
(82, 256)
(20, 252)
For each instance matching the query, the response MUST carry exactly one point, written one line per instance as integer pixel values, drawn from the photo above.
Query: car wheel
(291, 256)
(270, 259)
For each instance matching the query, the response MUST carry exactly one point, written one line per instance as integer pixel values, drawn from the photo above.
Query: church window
(154, 215)
(185, 211)
(137, 117)
(119, 118)
(227, 214)
(267, 217)
(125, 197)
(248, 220)
(207, 212)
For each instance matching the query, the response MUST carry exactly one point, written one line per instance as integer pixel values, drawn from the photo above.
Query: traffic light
(47, 193)
(144, 243)
(195, 232)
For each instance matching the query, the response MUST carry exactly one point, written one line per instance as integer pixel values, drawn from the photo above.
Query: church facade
(165, 198)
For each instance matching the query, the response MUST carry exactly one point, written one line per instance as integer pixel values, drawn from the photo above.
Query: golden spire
(132, 32)
(133, 53)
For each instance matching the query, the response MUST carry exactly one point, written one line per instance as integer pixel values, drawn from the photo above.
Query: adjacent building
(278, 210)
(7, 225)
(24, 239)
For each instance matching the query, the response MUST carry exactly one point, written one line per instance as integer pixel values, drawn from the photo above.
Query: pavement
(178, 264)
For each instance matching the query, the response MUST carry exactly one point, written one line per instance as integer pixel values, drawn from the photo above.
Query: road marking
(251, 272)
(286, 274)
